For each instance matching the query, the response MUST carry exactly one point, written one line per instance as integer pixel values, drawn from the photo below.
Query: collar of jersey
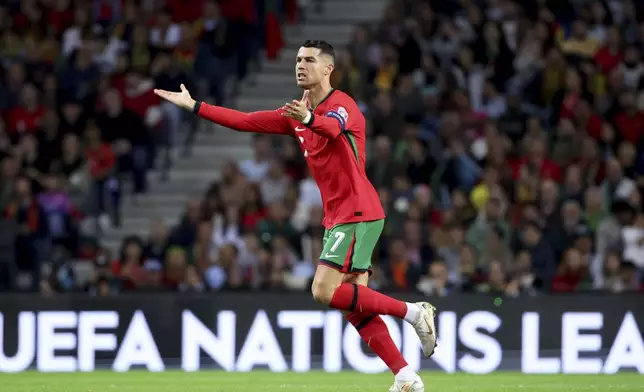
(324, 99)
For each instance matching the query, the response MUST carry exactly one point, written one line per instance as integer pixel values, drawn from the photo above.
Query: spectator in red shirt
(629, 121)
(101, 162)
(565, 100)
(185, 10)
(587, 120)
(238, 10)
(104, 11)
(572, 275)
(138, 96)
(130, 137)
(536, 161)
(128, 268)
(244, 20)
(175, 267)
(60, 16)
(253, 209)
(610, 55)
(25, 118)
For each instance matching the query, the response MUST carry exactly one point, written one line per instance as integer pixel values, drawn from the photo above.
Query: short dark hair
(325, 47)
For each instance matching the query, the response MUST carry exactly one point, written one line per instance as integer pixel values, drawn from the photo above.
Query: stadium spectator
(255, 169)
(436, 282)
(32, 240)
(62, 215)
(573, 273)
(128, 268)
(78, 118)
(101, 162)
(157, 243)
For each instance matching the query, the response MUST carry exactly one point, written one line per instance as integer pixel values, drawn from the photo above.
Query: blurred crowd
(80, 127)
(505, 141)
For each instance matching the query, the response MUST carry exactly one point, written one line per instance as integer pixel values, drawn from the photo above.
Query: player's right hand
(181, 99)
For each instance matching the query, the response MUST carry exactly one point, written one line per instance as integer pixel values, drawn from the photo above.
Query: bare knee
(326, 282)
(323, 292)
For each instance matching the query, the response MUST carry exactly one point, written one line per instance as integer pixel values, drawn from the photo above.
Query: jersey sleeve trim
(352, 143)
(195, 109)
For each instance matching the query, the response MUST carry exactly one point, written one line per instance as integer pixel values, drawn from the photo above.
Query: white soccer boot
(415, 385)
(425, 327)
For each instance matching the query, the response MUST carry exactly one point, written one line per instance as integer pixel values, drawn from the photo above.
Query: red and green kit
(333, 143)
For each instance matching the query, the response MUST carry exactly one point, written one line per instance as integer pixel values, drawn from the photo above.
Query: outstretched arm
(269, 121)
(266, 121)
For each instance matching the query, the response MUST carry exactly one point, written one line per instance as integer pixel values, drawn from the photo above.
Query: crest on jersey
(343, 112)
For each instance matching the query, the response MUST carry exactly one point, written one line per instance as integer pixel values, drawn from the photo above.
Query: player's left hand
(298, 109)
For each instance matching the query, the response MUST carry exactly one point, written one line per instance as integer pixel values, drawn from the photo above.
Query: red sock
(374, 332)
(353, 297)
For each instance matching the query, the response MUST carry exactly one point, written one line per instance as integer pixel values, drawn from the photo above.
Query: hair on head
(325, 47)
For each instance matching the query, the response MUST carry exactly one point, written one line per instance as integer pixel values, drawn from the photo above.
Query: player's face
(311, 67)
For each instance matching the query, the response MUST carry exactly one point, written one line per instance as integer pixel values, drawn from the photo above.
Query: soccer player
(331, 132)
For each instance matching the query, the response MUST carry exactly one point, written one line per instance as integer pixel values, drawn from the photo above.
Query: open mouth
(300, 75)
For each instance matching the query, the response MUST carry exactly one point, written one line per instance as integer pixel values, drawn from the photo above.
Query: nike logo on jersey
(300, 129)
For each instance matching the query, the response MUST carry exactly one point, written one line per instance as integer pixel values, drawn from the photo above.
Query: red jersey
(334, 146)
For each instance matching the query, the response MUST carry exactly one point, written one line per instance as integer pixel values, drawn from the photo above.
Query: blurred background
(504, 138)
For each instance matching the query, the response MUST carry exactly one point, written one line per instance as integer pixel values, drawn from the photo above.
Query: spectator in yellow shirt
(580, 43)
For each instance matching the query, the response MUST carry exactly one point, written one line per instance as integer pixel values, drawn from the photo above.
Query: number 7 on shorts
(348, 247)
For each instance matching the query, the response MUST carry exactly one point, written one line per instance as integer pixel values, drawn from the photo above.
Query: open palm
(181, 99)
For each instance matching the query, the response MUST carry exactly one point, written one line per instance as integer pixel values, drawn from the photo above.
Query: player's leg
(337, 259)
(375, 334)
(348, 248)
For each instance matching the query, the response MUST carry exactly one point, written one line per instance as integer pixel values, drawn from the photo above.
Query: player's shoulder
(340, 97)
(343, 103)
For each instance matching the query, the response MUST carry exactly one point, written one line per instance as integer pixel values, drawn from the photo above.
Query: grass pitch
(260, 381)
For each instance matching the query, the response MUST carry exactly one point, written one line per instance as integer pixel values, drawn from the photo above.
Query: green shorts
(348, 247)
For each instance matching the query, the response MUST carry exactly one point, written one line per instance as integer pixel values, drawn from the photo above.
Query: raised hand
(298, 109)
(181, 99)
